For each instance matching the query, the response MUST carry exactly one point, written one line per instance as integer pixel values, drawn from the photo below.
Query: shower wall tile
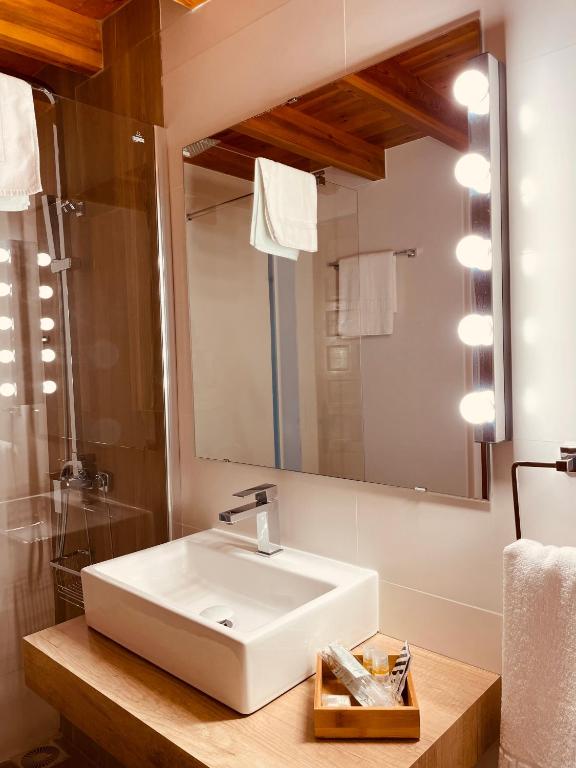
(130, 83)
(130, 86)
(130, 25)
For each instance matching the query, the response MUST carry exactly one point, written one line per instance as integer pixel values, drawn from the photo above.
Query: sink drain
(221, 614)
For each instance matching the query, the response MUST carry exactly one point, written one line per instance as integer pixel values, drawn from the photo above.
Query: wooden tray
(357, 722)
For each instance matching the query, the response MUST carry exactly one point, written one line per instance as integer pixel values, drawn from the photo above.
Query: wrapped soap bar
(357, 679)
(336, 700)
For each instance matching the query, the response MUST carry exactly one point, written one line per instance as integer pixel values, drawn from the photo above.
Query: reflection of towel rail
(320, 182)
(410, 252)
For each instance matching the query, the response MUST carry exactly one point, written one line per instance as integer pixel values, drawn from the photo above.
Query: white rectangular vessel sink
(165, 604)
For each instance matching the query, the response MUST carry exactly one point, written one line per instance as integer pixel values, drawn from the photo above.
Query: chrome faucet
(267, 513)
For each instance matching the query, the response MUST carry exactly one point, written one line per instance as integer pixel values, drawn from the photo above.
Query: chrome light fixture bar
(485, 249)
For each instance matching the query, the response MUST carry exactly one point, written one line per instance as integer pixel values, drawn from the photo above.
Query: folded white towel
(539, 657)
(19, 153)
(284, 211)
(367, 294)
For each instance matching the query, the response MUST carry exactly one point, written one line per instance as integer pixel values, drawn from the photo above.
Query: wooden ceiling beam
(303, 135)
(51, 33)
(191, 3)
(411, 100)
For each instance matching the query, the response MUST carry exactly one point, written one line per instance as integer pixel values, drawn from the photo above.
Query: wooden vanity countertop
(146, 718)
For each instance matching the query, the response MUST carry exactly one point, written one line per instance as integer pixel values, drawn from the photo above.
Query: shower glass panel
(82, 438)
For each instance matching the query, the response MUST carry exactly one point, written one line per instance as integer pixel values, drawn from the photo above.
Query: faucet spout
(267, 513)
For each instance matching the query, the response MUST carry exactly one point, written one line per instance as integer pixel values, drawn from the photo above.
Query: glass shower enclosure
(82, 378)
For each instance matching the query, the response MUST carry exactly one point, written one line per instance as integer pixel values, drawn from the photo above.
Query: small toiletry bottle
(367, 658)
(380, 666)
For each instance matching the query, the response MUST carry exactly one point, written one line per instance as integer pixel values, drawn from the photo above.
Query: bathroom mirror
(294, 365)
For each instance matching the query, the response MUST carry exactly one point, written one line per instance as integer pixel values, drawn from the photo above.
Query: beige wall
(230, 328)
(413, 380)
(441, 582)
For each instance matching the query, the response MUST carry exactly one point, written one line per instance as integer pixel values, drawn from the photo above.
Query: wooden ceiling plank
(413, 101)
(306, 136)
(51, 33)
(191, 3)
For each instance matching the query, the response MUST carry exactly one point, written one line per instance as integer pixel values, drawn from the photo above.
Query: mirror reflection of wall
(293, 366)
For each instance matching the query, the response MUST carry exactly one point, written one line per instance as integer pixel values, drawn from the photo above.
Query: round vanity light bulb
(49, 387)
(473, 171)
(5, 289)
(48, 355)
(44, 259)
(476, 330)
(45, 292)
(6, 323)
(475, 252)
(4, 255)
(478, 407)
(471, 90)
(7, 356)
(7, 389)
(46, 323)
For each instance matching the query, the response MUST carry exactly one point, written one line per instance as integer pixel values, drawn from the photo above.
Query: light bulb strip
(488, 269)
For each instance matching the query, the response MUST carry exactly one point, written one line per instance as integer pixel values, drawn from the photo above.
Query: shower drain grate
(45, 756)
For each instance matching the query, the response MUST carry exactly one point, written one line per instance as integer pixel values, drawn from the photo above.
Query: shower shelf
(30, 533)
(67, 576)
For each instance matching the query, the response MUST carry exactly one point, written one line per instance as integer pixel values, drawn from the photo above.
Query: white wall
(441, 582)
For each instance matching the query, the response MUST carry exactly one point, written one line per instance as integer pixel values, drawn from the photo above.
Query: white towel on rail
(284, 210)
(367, 294)
(19, 153)
(539, 657)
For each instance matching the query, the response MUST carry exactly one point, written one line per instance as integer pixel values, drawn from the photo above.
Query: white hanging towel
(539, 657)
(284, 211)
(367, 294)
(19, 153)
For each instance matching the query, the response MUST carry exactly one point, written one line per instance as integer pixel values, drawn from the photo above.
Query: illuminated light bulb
(471, 90)
(5, 289)
(475, 252)
(473, 171)
(7, 356)
(4, 255)
(45, 292)
(46, 324)
(476, 330)
(44, 259)
(49, 387)
(7, 389)
(478, 407)
(48, 355)
(6, 323)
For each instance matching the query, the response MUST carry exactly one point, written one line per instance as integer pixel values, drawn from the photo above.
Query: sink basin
(165, 604)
